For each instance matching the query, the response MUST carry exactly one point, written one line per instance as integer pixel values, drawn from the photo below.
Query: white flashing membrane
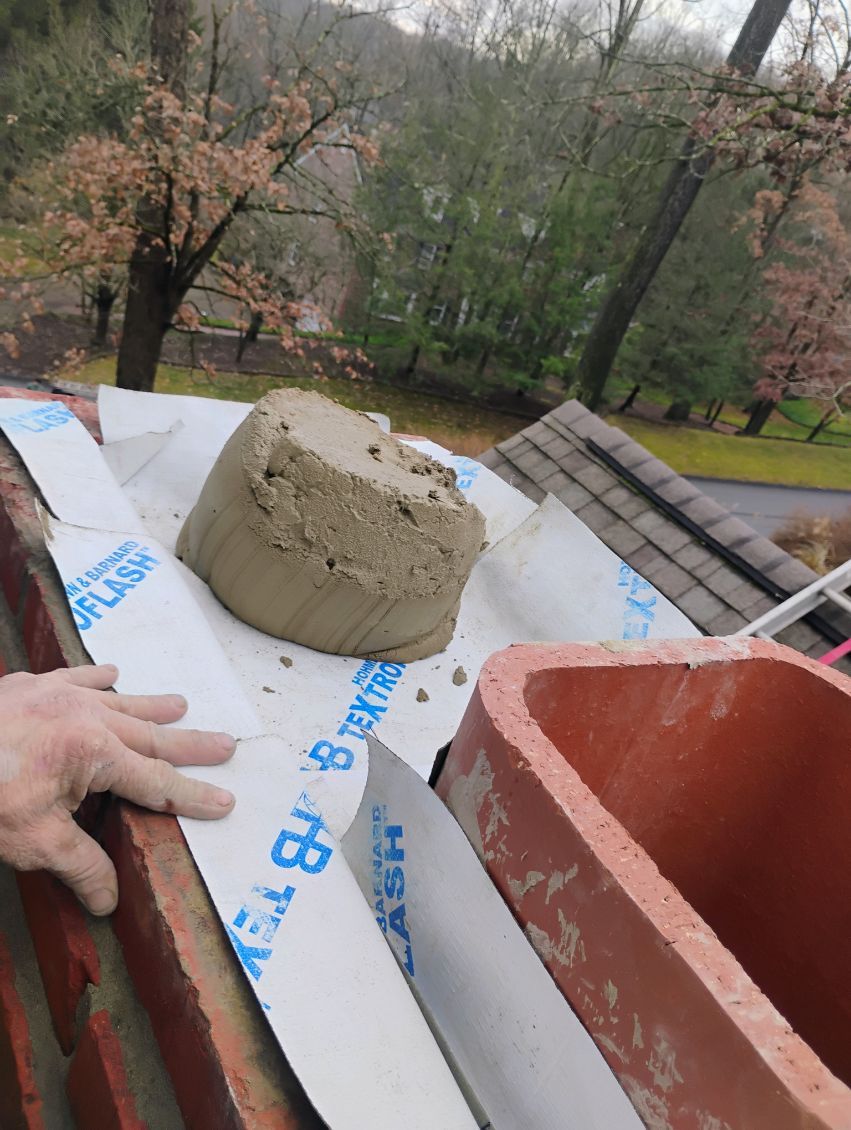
(125, 457)
(329, 983)
(520, 1052)
(273, 869)
(66, 464)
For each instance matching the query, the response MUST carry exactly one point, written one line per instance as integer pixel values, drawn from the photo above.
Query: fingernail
(227, 742)
(179, 701)
(102, 902)
(223, 798)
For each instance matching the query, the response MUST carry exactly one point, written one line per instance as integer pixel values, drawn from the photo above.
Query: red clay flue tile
(669, 823)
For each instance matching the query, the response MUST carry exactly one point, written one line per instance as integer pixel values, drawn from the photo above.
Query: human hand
(63, 735)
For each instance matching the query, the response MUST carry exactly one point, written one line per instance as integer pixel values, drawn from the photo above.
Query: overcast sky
(716, 17)
(719, 18)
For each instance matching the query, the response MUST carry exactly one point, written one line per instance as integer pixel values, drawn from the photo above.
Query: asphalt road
(766, 507)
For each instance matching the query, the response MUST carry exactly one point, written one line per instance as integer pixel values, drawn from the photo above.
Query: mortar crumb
(422, 696)
(287, 662)
(459, 677)
(268, 690)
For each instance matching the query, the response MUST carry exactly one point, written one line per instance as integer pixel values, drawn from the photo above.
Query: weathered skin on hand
(64, 735)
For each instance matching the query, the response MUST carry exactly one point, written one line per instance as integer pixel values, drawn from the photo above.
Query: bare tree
(676, 198)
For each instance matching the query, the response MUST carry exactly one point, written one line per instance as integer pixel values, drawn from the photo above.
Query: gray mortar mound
(317, 527)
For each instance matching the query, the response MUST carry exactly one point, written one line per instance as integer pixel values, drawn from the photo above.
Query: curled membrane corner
(126, 457)
(337, 794)
(45, 519)
(380, 419)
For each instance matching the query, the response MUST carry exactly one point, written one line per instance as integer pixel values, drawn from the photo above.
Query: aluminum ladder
(827, 588)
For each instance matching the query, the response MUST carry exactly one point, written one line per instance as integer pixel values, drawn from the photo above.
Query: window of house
(435, 202)
(426, 255)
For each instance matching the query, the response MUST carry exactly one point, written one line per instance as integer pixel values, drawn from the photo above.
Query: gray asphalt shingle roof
(553, 455)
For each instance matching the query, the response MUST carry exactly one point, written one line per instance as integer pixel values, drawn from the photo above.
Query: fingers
(180, 747)
(150, 707)
(157, 785)
(80, 863)
(99, 676)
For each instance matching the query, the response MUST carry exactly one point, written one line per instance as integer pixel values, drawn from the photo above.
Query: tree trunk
(677, 196)
(536, 371)
(679, 411)
(716, 413)
(630, 400)
(483, 360)
(760, 414)
(146, 317)
(250, 335)
(411, 366)
(827, 417)
(104, 301)
(169, 43)
(150, 301)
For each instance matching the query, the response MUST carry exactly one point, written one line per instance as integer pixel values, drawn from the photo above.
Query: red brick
(20, 1102)
(97, 1085)
(13, 558)
(66, 954)
(225, 1067)
(39, 630)
(20, 531)
(683, 808)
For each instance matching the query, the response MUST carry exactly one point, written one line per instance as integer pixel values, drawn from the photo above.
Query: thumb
(80, 863)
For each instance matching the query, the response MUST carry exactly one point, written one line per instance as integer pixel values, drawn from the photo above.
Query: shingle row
(552, 456)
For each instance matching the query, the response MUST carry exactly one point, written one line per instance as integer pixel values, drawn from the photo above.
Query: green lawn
(792, 419)
(783, 425)
(807, 413)
(461, 427)
(693, 452)
(13, 242)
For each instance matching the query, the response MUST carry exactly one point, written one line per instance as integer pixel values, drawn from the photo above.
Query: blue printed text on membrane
(100, 589)
(639, 613)
(466, 471)
(375, 682)
(388, 881)
(41, 419)
(301, 847)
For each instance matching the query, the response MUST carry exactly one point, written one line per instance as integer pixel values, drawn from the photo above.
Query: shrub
(820, 541)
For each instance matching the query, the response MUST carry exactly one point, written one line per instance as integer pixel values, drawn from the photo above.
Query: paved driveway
(765, 507)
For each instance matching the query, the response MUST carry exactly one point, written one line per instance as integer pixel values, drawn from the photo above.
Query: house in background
(320, 254)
